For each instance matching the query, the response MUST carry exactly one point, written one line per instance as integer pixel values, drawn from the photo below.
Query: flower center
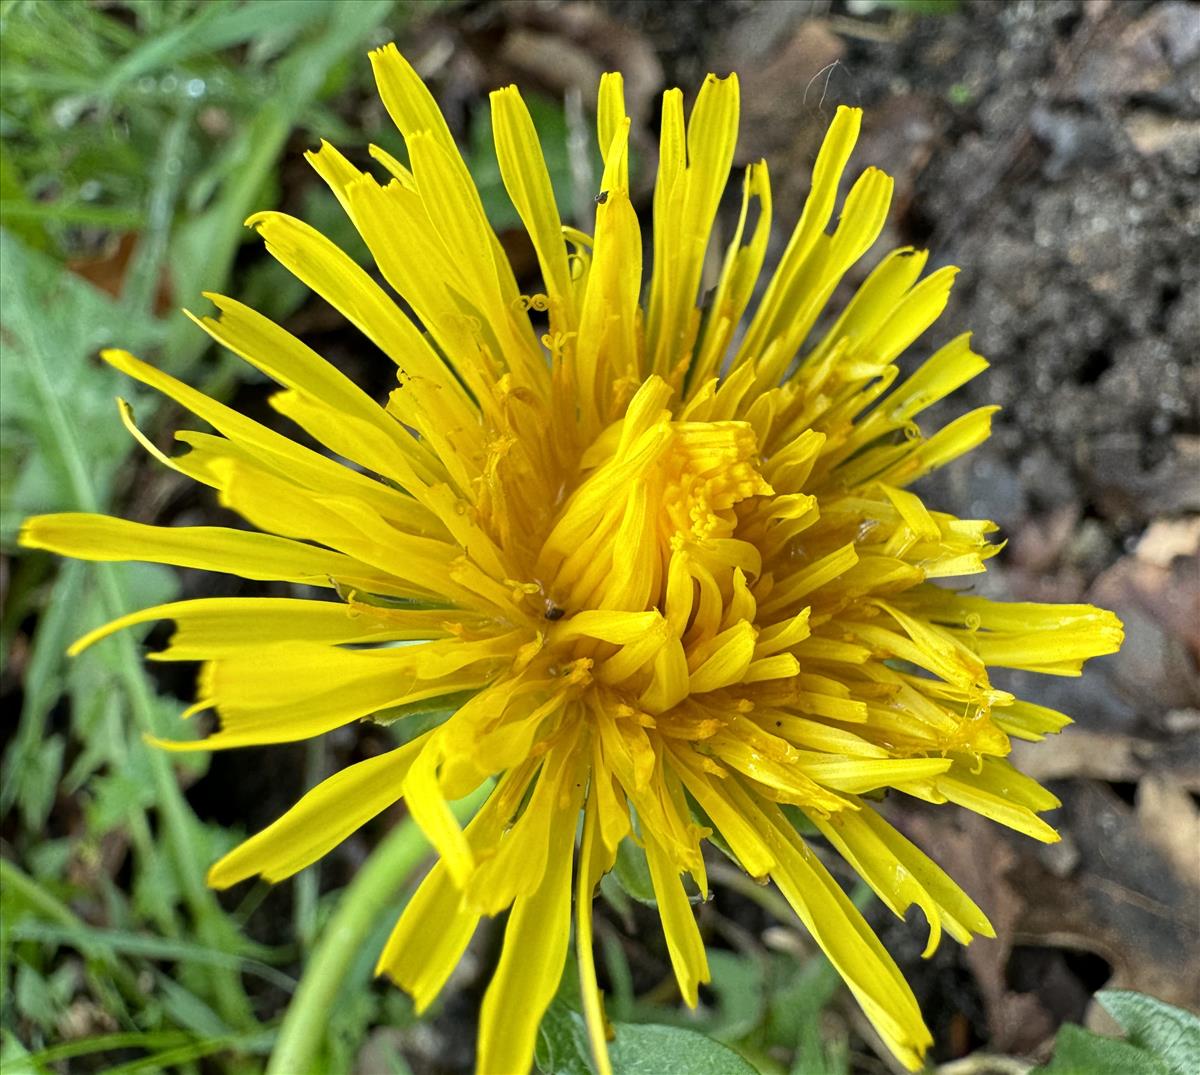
(647, 569)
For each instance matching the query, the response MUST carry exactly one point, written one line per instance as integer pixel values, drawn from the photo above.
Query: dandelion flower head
(663, 556)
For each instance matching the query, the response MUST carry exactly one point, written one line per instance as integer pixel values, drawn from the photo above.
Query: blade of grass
(142, 280)
(42, 689)
(246, 1043)
(175, 1048)
(138, 1039)
(163, 49)
(19, 886)
(87, 938)
(211, 241)
(118, 218)
(218, 25)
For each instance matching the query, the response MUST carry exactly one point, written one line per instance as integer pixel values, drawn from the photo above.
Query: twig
(985, 1064)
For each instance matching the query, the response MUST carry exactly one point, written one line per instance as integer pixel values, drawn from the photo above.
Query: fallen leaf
(1171, 821)
(1166, 539)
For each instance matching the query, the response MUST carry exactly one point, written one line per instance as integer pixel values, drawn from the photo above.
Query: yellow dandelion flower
(667, 554)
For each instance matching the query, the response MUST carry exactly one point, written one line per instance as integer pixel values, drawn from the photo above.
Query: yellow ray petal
(998, 791)
(333, 275)
(535, 949)
(300, 464)
(286, 691)
(827, 173)
(744, 839)
(691, 180)
(841, 931)
(436, 926)
(429, 939)
(528, 183)
(321, 820)
(739, 274)
(420, 565)
(901, 874)
(284, 358)
(206, 548)
(1025, 720)
(414, 111)
(609, 347)
(610, 118)
(213, 626)
(679, 923)
(520, 858)
(594, 861)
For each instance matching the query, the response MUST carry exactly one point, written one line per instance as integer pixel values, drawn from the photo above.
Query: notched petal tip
(388, 53)
(220, 876)
(258, 220)
(27, 533)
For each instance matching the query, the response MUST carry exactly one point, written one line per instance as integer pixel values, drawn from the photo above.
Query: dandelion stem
(372, 892)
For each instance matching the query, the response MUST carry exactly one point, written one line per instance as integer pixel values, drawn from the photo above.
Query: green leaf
(115, 796)
(797, 1001)
(1080, 1052)
(737, 980)
(632, 873)
(562, 1047)
(42, 999)
(15, 1059)
(1170, 1033)
(416, 718)
(654, 1050)
(636, 1049)
(35, 780)
(49, 311)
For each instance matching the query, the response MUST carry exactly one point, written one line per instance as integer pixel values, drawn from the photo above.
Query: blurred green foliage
(136, 139)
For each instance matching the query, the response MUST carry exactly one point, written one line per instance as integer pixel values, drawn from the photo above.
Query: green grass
(166, 121)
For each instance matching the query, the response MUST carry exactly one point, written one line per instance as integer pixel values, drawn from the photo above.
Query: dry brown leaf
(1166, 539)
(1171, 822)
(1108, 756)
(1124, 902)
